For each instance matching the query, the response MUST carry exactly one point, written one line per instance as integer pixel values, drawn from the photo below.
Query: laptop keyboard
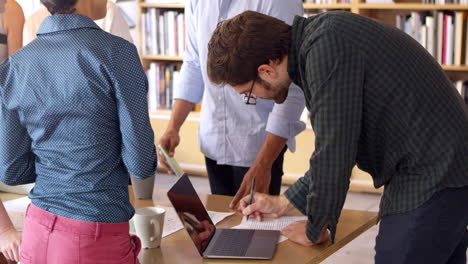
(232, 242)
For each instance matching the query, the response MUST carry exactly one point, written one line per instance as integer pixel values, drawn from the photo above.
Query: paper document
(270, 224)
(175, 167)
(172, 222)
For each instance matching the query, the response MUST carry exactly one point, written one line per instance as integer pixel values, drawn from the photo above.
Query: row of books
(445, 2)
(162, 80)
(442, 33)
(163, 32)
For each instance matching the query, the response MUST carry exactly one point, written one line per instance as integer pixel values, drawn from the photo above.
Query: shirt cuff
(298, 195)
(190, 85)
(315, 225)
(285, 128)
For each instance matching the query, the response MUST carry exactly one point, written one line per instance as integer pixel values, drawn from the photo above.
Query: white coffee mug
(149, 223)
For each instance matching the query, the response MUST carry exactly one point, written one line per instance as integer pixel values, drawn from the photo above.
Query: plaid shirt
(379, 100)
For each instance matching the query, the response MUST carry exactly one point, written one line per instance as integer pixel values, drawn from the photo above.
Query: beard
(279, 92)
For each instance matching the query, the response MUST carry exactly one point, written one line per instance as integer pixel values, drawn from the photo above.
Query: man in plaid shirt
(377, 99)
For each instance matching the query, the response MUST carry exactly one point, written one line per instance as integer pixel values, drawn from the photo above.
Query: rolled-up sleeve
(17, 161)
(131, 87)
(283, 120)
(190, 86)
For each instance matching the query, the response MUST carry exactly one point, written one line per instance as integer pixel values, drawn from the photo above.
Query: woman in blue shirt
(74, 120)
(11, 33)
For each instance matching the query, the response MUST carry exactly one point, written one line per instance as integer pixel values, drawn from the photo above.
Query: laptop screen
(192, 213)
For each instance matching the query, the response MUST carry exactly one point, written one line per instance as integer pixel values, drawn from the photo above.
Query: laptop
(212, 242)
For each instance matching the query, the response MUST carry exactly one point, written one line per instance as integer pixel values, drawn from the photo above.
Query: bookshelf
(295, 164)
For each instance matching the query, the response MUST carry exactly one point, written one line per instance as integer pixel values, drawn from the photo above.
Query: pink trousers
(51, 239)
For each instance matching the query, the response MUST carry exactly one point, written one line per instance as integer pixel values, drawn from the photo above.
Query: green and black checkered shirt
(379, 100)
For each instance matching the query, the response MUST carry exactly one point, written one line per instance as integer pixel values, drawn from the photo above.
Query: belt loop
(52, 224)
(27, 208)
(98, 230)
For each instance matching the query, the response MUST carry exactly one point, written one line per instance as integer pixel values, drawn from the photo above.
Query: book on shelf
(442, 33)
(465, 32)
(449, 27)
(445, 2)
(163, 32)
(162, 81)
(462, 88)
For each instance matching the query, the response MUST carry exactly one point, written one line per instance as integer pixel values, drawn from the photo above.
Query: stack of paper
(270, 224)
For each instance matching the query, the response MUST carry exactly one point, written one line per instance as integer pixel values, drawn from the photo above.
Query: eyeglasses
(250, 99)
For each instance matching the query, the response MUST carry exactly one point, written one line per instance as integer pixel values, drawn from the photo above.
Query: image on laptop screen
(214, 242)
(192, 213)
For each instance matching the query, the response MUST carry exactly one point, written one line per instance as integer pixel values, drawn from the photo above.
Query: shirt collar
(61, 22)
(294, 49)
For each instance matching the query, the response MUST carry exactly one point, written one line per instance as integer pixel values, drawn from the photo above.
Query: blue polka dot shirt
(74, 120)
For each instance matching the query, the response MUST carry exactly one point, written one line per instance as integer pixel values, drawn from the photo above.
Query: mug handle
(156, 230)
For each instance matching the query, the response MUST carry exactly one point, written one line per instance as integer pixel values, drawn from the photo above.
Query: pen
(251, 194)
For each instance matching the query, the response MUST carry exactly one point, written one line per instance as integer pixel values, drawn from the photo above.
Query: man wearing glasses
(239, 135)
(378, 100)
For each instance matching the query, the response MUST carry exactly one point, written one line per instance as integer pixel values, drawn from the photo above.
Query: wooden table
(179, 248)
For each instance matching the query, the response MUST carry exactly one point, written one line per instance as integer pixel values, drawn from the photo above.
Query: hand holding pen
(252, 187)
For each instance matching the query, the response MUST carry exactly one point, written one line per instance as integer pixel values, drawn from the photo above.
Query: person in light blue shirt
(74, 120)
(236, 138)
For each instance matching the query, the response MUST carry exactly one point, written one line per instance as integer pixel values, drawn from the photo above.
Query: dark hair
(59, 6)
(241, 44)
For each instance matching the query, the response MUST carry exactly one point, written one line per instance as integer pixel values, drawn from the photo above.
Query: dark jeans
(434, 233)
(226, 179)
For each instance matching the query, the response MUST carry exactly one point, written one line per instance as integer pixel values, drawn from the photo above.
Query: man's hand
(296, 232)
(170, 140)
(262, 183)
(264, 205)
(10, 241)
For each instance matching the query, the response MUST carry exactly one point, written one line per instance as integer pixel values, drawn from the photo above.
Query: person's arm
(261, 168)
(335, 74)
(10, 239)
(17, 161)
(131, 87)
(13, 23)
(170, 139)
(190, 87)
(283, 124)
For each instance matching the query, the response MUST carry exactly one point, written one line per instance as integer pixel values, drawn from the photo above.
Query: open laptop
(213, 242)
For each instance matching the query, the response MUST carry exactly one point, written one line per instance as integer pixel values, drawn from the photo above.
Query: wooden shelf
(412, 6)
(455, 67)
(326, 6)
(162, 58)
(168, 5)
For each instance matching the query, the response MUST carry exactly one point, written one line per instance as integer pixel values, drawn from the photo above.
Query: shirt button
(220, 98)
(221, 122)
(221, 19)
